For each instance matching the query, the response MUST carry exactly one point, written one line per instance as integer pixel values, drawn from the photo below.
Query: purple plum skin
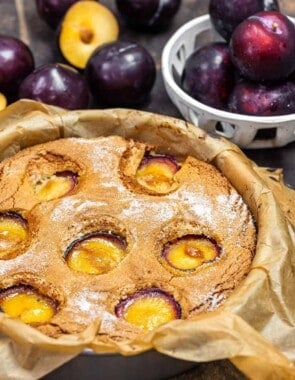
(148, 14)
(209, 75)
(161, 159)
(14, 216)
(258, 99)
(226, 15)
(263, 47)
(52, 11)
(117, 240)
(120, 73)
(56, 84)
(16, 62)
(124, 303)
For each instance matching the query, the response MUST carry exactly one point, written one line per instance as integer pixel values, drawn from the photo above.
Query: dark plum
(121, 73)
(52, 11)
(149, 14)
(209, 75)
(148, 308)
(56, 84)
(226, 15)
(263, 47)
(263, 100)
(16, 62)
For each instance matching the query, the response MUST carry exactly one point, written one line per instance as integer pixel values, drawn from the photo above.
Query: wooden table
(19, 18)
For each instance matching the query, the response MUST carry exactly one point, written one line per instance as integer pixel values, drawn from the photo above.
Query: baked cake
(113, 229)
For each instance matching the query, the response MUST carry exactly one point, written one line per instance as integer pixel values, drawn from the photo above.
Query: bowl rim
(279, 120)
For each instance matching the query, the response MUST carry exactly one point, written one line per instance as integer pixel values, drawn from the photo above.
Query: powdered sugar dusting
(90, 306)
(135, 207)
(196, 206)
(68, 206)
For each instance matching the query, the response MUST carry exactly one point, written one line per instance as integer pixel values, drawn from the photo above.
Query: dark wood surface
(19, 19)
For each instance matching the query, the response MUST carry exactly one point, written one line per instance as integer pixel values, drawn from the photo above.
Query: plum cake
(116, 230)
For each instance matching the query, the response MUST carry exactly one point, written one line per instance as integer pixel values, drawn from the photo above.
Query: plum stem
(274, 26)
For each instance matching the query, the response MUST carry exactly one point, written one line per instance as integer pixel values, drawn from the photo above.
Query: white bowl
(243, 130)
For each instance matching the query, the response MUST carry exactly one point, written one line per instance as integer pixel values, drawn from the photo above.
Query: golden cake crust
(200, 201)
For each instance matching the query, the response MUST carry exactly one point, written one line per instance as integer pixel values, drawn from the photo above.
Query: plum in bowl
(247, 131)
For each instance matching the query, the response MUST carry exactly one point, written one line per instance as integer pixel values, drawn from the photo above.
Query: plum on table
(3, 101)
(121, 73)
(151, 15)
(52, 11)
(56, 84)
(85, 26)
(16, 62)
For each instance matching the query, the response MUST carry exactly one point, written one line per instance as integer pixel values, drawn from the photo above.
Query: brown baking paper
(254, 328)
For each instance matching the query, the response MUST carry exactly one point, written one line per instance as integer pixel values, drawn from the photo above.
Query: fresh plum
(56, 84)
(16, 62)
(263, 47)
(263, 100)
(226, 15)
(150, 15)
(121, 73)
(209, 75)
(85, 26)
(52, 11)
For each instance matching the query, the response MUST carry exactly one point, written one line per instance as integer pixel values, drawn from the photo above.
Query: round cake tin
(150, 365)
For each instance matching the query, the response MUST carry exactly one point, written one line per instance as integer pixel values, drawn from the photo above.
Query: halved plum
(96, 252)
(3, 101)
(25, 303)
(86, 26)
(56, 185)
(190, 251)
(156, 172)
(14, 231)
(148, 308)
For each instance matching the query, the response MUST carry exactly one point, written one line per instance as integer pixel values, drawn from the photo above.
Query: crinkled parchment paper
(255, 327)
